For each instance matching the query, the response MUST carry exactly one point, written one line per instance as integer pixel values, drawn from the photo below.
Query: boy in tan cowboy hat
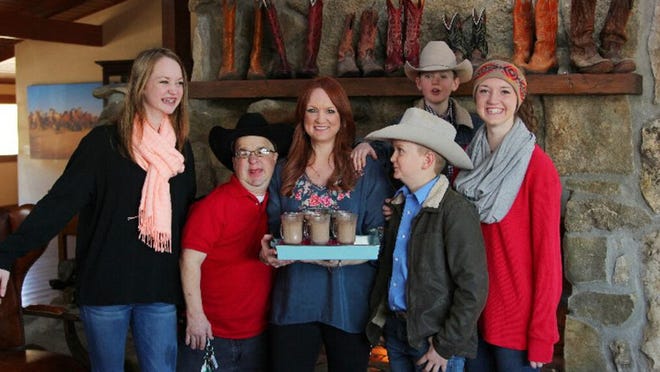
(437, 77)
(432, 279)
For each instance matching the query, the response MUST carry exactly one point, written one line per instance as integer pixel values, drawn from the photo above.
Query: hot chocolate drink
(344, 227)
(292, 228)
(319, 228)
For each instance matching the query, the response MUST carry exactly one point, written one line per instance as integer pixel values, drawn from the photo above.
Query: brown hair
(343, 178)
(134, 102)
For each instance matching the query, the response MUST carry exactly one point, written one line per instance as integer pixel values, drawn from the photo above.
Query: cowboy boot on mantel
(255, 71)
(613, 35)
(479, 52)
(413, 17)
(394, 47)
(545, 47)
(284, 70)
(523, 26)
(314, 26)
(346, 66)
(367, 44)
(228, 67)
(455, 37)
(584, 54)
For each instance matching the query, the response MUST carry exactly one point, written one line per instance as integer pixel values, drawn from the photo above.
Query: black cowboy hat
(222, 139)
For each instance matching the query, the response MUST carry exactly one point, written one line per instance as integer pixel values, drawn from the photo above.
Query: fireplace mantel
(566, 84)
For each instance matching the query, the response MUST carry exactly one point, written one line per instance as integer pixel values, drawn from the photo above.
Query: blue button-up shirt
(412, 206)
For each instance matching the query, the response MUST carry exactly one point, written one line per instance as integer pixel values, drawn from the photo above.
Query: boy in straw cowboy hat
(437, 77)
(432, 279)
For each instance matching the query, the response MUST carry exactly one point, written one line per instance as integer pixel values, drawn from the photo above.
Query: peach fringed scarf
(156, 153)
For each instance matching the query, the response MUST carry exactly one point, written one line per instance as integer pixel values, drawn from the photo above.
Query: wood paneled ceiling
(49, 20)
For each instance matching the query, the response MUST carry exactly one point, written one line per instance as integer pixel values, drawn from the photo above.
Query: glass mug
(291, 228)
(318, 228)
(344, 226)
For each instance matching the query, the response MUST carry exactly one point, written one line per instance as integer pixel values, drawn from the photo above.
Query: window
(8, 129)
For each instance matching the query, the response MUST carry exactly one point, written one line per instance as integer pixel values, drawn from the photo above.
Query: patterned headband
(505, 71)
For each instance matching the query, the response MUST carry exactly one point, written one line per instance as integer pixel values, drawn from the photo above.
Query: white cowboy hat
(437, 56)
(428, 130)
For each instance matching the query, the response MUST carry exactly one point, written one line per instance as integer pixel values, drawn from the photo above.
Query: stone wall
(606, 149)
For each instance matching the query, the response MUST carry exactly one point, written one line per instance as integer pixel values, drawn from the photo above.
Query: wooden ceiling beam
(6, 52)
(33, 28)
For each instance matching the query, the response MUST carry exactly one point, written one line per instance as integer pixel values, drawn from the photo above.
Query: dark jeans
(296, 348)
(402, 356)
(491, 358)
(244, 355)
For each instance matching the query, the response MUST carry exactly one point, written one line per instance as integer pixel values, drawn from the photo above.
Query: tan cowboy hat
(428, 130)
(437, 56)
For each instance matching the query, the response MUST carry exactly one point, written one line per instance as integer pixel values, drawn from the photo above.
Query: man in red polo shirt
(226, 287)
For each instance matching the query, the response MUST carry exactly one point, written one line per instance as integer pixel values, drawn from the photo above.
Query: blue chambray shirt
(412, 206)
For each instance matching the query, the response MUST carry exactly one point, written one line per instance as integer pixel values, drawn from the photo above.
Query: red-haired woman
(323, 302)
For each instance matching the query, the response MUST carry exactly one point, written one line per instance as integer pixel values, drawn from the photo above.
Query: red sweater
(228, 225)
(524, 266)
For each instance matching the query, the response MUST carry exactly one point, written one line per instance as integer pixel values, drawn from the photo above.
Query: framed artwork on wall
(59, 115)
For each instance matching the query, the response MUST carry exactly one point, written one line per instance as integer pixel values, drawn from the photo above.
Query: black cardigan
(113, 265)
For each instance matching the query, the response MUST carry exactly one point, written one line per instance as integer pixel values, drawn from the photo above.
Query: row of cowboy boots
(474, 47)
(541, 25)
(228, 69)
(403, 33)
(366, 48)
(537, 33)
(584, 54)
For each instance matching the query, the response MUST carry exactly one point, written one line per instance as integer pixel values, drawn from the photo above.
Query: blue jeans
(402, 356)
(491, 358)
(154, 334)
(249, 355)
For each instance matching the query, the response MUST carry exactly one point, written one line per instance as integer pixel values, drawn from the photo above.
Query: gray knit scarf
(496, 178)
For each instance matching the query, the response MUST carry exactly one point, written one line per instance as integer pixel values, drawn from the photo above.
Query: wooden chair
(15, 355)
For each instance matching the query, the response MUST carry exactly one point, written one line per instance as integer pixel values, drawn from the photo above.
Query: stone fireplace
(605, 143)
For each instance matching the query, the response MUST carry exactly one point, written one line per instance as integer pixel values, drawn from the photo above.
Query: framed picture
(59, 116)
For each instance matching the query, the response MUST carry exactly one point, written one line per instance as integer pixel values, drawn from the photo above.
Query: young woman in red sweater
(517, 192)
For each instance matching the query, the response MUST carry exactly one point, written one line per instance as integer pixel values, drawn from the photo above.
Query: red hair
(343, 178)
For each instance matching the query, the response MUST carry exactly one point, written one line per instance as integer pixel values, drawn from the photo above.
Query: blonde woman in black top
(131, 183)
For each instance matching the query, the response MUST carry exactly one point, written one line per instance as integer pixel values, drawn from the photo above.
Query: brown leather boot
(455, 37)
(545, 46)
(255, 71)
(523, 22)
(613, 35)
(413, 16)
(584, 55)
(284, 71)
(394, 46)
(367, 44)
(314, 26)
(346, 55)
(479, 44)
(228, 68)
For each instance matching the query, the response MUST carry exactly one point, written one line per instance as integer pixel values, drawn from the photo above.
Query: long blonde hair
(134, 102)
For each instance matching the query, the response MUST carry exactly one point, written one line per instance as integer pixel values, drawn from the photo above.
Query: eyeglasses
(260, 153)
